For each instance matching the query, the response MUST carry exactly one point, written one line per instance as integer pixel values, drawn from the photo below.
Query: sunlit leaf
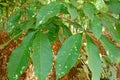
(48, 11)
(68, 55)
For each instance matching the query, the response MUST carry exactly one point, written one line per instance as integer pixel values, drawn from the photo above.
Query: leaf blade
(47, 12)
(89, 10)
(114, 53)
(19, 58)
(96, 27)
(42, 56)
(94, 61)
(70, 46)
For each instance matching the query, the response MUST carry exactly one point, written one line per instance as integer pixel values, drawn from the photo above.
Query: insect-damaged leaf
(68, 55)
(94, 61)
(48, 11)
(42, 56)
(19, 58)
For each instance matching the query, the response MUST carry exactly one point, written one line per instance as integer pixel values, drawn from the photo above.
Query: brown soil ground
(74, 73)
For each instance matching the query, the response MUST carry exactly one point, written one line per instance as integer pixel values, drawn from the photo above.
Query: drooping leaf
(68, 55)
(89, 10)
(72, 11)
(111, 49)
(96, 27)
(20, 57)
(94, 61)
(108, 25)
(42, 56)
(48, 11)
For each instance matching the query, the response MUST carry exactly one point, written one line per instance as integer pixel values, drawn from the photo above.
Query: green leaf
(42, 56)
(13, 21)
(94, 61)
(74, 3)
(72, 11)
(111, 49)
(52, 32)
(66, 31)
(48, 11)
(89, 10)
(25, 26)
(96, 27)
(68, 55)
(114, 6)
(118, 29)
(110, 27)
(19, 58)
(61, 35)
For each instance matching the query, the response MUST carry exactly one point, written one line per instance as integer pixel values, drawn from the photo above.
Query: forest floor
(74, 73)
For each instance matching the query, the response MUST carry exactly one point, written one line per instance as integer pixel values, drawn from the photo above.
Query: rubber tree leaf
(89, 10)
(110, 27)
(96, 27)
(24, 26)
(48, 11)
(118, 28)
(66, 31)
(19, 58)
(74, 3)
(42, 56)
(101, 6)
(94, 61)
(61, 35)
(114, 6)
(52, 32)
(111, 49)
(68, 55)
(73, 12)
(13, 21)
